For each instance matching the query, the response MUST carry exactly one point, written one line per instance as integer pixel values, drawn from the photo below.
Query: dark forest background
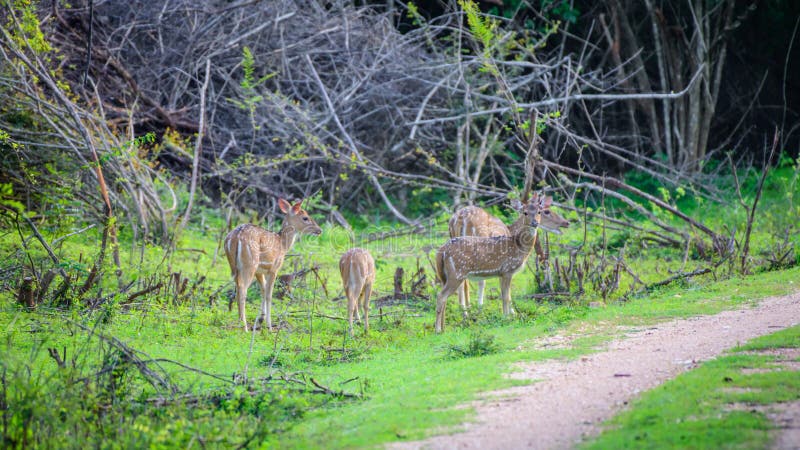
(364, 104)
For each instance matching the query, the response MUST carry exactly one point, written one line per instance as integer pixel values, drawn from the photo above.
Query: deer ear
(297, 207)
(516, 205)
(283, 205)
(548, 201)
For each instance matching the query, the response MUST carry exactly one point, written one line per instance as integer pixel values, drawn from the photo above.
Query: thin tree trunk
(646, 105)
(662, 75)
(622, 76)
(198, 148)
(716, 80)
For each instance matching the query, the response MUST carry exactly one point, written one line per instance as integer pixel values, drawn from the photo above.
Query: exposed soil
(573, 398)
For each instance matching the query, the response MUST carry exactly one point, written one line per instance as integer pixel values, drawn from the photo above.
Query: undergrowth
(155, 357)
(479, 343)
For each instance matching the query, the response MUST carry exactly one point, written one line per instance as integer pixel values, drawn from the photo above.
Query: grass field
(408, 379)
(174, 368)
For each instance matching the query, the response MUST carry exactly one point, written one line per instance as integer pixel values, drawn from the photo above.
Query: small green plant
(249, 84)
(28, 31)
(480, 344)
(560, 9)
(483, 29)
(413, 13)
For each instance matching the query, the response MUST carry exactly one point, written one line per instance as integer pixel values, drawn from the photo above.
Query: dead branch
(679, 276)
(570, 98)
(752, 213)
(198, 147)
(44, 243)
(53, 352)
(159, 379)
(353, 147)
(142, 292)
(285, 281)
(613, 183)
(327, 391)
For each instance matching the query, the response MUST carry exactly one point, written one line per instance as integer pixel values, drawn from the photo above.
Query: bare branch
(353, 146)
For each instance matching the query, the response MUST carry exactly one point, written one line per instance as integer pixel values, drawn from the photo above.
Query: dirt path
(575, 397)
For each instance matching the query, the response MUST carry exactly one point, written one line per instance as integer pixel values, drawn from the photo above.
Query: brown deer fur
(487, 257)
(358, 274)
(474, 221)
(254, 252)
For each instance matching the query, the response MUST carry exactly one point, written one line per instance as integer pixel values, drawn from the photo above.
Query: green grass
(698, 408)
(413, 381)
(418, 388)
(412, 384)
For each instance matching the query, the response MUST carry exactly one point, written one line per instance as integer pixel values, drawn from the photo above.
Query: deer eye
(305, 219)
(547, 213)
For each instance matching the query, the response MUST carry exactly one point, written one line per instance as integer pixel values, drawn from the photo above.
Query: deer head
(297, 218)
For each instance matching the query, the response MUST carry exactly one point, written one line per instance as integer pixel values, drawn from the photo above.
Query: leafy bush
(107, 392)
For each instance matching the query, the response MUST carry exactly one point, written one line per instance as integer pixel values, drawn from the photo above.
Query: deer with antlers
(358, 274)
(255, 253)
(488, 257)
(475, 221)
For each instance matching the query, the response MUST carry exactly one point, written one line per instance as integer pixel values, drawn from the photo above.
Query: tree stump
(26, 291)
(398, 284)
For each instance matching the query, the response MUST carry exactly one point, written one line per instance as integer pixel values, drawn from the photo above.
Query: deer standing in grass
(358, 274)
(254, 252)
(488, 257)
(474, 221)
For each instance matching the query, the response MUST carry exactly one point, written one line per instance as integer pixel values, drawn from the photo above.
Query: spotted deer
(488, 257)
(358, 274)
(254, 252)
(475, 221)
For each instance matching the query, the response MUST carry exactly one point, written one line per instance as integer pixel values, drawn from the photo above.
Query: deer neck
(525, 238)
(524, 235)
(287, 234)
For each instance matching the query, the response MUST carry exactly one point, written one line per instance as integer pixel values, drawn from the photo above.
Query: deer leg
(441, 302)
(267, 282)
(367, 292)
(463, 295)
(481, 286)
(351, 307)
(243, 281)
(505, 294)
(463, 298)
(262, 283)
(357, 303)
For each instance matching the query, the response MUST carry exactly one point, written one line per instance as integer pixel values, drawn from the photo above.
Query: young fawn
(254, 252)
(474, 221)
(488, 257)
(358, 274)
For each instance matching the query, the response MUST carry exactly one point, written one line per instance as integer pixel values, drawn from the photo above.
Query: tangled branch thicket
(298, 94)
(305, 96)
(302, 93)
